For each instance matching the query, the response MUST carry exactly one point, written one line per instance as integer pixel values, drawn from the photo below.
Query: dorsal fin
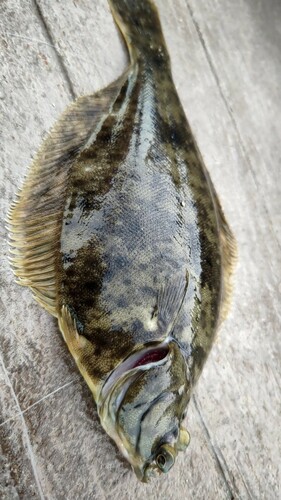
(229, 259)
(228, 253)
(35, 217)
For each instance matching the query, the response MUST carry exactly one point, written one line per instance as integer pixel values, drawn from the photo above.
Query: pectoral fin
(170, 299)
(36, 216)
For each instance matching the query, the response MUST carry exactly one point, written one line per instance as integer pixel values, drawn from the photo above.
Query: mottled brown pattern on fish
(133, 249)
(171, 146)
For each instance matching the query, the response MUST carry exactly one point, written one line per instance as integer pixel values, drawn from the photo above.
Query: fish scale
(119, 233)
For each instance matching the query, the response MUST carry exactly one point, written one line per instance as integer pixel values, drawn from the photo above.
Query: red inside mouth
(140, 358)
(152, 356)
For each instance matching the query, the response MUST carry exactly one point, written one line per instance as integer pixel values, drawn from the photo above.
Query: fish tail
(140, 25)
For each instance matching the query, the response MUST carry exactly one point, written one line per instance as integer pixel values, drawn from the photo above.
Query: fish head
(142, 406)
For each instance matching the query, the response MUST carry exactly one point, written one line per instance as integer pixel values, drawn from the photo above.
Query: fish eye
(164, 459)
(161, 461)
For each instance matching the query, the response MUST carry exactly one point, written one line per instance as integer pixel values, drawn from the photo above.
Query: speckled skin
(132, 248)
(139, 212)
(140, 215)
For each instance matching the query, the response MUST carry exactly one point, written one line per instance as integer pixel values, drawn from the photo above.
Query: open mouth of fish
(138, 361)
(114, 390)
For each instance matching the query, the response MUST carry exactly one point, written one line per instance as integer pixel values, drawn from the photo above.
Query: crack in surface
(233, 490)
(217, 455)
(53, 44)
(24, 431)
(246, 484)
(21, 412)
(230, 113)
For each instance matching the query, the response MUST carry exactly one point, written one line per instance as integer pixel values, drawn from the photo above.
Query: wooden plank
(34, 92)
(87, 40)
(233, 418)
(32, 357)
(240, 46)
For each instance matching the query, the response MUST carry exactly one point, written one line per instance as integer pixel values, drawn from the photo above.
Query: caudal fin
(139, 23)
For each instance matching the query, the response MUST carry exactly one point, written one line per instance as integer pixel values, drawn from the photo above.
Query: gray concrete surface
(226, 59)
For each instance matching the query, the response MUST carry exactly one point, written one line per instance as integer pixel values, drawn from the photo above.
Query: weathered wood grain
(226, 65)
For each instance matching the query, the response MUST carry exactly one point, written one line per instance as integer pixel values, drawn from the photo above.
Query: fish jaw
(137, 425)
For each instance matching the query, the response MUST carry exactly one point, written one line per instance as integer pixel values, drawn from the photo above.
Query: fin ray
(170, 300)
(229, 254)
(34, 218)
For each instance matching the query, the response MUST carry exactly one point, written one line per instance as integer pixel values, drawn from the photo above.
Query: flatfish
(119, 233)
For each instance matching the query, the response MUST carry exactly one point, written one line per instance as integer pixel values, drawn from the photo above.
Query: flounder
(119, 234)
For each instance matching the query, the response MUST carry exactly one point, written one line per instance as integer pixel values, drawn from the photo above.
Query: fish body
(120, 235)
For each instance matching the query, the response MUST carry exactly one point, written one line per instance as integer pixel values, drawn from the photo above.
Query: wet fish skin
(140, 254)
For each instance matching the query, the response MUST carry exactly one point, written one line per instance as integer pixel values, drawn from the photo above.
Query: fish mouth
(115, 388)
(143, 359)
(147, 473)
(127, 403)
